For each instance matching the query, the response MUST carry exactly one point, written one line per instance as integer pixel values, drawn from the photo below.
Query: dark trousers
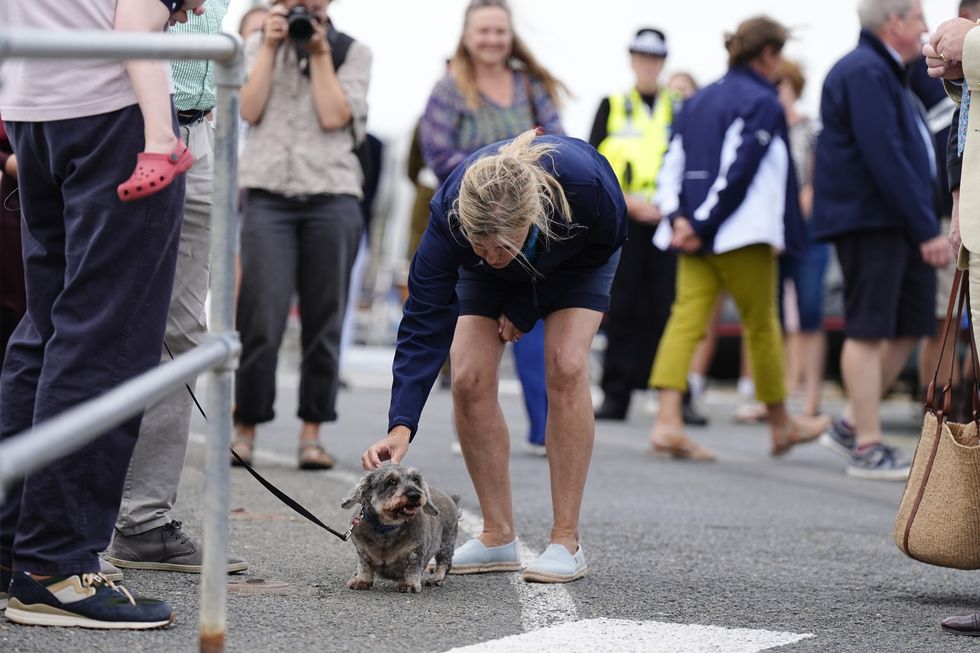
(642, 293)
(99, 275)
(306, 245)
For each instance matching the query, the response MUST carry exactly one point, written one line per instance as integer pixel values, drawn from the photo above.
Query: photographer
(305, 99)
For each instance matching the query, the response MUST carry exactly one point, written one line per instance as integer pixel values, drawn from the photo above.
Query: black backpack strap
(339, 46)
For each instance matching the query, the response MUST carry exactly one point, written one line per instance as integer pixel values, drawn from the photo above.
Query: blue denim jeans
(529, 360)
(808, 271)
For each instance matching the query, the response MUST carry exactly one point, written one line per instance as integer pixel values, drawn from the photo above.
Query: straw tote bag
(938, 520)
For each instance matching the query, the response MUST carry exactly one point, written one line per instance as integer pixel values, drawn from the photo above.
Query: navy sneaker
(840, 437)
(879, 462)
(85, 600)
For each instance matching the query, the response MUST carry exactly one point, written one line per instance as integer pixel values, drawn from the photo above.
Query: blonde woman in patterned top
(495, 89)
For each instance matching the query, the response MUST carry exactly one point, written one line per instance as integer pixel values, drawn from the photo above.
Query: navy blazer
(872, 169)
(597, 229)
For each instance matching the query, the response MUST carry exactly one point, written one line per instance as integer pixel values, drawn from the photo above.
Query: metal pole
(229, 77)
(25, 42)
(61, 435)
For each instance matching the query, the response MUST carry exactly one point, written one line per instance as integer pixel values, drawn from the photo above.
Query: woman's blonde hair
(503, 193)
(520, 56)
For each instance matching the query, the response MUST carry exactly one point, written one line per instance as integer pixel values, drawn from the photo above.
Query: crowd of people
(528, 237)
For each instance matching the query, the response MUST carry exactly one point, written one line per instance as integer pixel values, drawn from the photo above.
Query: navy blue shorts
(524, 302)
(889, 291)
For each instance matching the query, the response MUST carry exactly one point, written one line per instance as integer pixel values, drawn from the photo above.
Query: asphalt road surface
(745, 554)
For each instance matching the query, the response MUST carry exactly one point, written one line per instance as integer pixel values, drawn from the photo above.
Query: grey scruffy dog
(403, 523)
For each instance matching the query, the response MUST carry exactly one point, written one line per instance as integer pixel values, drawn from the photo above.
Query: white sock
(696, 383)
(746, 388)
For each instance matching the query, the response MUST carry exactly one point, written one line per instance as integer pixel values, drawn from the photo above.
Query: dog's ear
(429, 507)
(356, 494)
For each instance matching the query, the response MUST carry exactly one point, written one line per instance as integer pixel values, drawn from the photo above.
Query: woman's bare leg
(483, 435)
(570, 432)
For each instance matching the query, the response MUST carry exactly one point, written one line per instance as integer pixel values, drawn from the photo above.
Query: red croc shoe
(154, 172)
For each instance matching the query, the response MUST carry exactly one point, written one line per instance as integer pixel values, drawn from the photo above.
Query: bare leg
(869, 368)
(483, 435)
(148, 77)
(570, 431)
(310, 432)
(670, 416)
(894, 355)
(813, 352)
(245, 432)
(793, 345)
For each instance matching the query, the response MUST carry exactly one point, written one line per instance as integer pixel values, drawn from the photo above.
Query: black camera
(300, 25)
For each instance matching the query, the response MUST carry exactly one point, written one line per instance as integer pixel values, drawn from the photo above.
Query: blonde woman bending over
(523, 230)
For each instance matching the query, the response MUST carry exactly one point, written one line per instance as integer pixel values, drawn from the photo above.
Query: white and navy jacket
(728, 169)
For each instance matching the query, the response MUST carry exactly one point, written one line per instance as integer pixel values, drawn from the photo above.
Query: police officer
(632, 130)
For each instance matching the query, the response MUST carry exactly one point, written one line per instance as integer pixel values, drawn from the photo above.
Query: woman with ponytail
(523, 230)
(729, 193)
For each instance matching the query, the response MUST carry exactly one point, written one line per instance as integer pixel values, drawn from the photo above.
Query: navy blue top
(597, 229)
(727, 134)
(872, 169)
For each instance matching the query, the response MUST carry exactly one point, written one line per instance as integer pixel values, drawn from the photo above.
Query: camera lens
(300, 25)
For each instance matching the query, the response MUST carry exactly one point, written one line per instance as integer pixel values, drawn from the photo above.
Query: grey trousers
(158, 460)
(302, 245)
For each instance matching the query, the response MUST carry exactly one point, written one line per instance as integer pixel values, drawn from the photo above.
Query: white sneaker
(557, 565)
(534, 449)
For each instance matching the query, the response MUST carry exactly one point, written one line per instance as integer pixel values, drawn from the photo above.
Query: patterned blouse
(287, 152)
(450, 131)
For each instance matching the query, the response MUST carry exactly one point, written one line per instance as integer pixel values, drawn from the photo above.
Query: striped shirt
(194, 80)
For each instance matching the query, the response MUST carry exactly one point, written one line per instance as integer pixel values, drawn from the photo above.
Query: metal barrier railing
(33, 449)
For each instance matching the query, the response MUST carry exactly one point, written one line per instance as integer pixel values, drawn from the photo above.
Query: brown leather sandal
(681, 447)
(243, 448)
(313, 456)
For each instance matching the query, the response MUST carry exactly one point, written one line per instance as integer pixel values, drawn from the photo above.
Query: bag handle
(953, 295)
(959, 296)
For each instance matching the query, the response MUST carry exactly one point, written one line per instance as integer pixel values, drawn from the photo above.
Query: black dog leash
(279, 494)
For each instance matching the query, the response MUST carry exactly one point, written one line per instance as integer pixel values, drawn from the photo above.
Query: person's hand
(938, 68)
(10, 167)
(936, 251)
(318, 43)
(954, 224)
(944, 56)
(642, 212)
(393, 448)
(684, 238)
(507, 331)
(275, 27)
(195, 7)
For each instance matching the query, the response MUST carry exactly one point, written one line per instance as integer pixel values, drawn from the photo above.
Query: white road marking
(541, 604)
(598, 635)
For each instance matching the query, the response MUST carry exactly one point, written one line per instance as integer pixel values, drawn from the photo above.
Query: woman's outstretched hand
(393, 447)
